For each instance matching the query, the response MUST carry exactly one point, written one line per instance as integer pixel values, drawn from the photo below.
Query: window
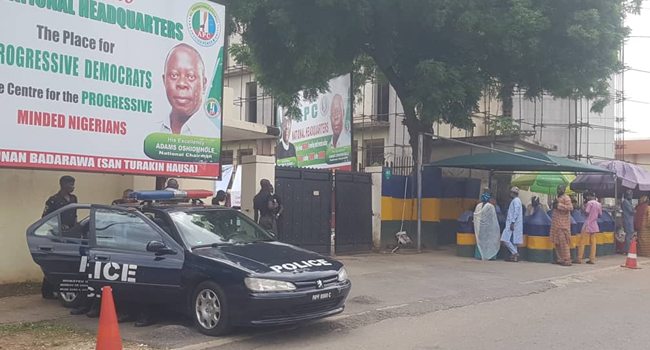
(374, 153)
(72, 227)
(49, 229)
(275, 121)
(75, 223)
(251, 97)
(204, 228)
(227, 157)
(123, 230)
(382, 102)
(242, 153)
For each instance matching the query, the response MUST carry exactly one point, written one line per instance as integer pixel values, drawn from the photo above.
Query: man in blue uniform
(68, 219)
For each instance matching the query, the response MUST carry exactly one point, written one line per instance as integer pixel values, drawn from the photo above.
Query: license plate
(321, 296)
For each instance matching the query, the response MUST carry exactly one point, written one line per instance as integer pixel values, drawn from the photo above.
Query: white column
(377, 178)
(254, 169)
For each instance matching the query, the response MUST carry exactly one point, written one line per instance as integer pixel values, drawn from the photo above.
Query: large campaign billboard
(113, 86)
(321, 137)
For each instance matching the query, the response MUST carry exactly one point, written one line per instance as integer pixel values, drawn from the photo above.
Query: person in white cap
(513, 234)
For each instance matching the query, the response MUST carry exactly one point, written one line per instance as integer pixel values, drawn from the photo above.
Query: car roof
(168, 207)
(179, 207)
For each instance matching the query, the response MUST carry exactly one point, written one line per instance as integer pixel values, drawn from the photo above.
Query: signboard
(226, 175)
(113, 86)
(322, 136)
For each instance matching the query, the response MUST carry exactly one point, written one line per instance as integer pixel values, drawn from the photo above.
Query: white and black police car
(213, 263)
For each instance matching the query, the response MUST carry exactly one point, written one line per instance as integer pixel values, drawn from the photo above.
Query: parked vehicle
(212, 263)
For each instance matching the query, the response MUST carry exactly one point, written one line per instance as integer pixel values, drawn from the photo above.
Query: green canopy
(520, 161)
(544, 182)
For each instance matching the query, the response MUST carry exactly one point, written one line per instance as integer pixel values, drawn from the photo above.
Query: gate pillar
(254, 169)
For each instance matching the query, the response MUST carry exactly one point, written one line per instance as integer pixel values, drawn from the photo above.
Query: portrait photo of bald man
(186, 84)
(340, 134)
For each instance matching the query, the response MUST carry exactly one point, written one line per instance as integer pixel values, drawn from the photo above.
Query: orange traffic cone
(108, 335)
(630, 263)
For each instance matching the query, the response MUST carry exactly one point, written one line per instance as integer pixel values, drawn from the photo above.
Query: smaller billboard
(321, 137)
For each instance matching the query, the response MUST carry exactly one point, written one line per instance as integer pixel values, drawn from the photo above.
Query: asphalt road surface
(430, 301)
(604, 309)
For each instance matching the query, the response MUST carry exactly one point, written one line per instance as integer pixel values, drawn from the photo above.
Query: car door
(120, 259)
(61, 251)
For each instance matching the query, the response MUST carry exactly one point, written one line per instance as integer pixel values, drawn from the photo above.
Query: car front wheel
(210, 309)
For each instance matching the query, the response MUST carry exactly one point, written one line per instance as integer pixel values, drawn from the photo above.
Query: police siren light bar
(170, 195)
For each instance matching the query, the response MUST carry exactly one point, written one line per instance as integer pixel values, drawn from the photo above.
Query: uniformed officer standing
(264, 207)
(61, 199)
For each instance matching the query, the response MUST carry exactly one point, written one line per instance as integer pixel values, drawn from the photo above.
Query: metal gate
(353, 195)
(307, 198)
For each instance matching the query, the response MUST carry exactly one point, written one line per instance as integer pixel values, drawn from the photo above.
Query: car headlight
(263, 285)
(343, 275)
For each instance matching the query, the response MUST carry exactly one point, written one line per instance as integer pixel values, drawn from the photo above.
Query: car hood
(274, 259)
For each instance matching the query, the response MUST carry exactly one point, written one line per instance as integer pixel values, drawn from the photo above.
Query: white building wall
(570, 125)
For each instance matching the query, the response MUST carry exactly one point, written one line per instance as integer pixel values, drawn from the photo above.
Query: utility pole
(419, 188)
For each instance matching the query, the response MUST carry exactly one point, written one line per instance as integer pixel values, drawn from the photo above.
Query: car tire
(72, 300)
(209, 309)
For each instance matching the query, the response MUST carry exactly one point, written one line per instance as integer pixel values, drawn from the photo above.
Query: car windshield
(215, 227)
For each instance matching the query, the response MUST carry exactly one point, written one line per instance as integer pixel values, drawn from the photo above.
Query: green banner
(180, 148)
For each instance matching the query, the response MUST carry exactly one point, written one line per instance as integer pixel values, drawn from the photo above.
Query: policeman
(172, 185)
(265, 206)
(61, 199)
(68, 219)
(126, 198)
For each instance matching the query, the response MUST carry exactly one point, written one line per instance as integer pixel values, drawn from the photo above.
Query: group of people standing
(487, 228)
(561, 228)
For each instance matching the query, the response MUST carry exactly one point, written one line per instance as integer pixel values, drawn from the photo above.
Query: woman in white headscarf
(486, 229)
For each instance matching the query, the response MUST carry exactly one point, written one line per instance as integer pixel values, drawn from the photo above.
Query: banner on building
(322, 137)
(128, 87)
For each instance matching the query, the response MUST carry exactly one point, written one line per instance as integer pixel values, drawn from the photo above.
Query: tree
(437, 54)
(568, 49)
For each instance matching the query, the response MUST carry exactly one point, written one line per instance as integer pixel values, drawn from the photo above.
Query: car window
(75, 223)
(163, 222)
(123, 230)
(49, 229)
(217, 226)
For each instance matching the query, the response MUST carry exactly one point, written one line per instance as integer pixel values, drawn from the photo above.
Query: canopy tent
(520, 161)
(628, 177)
(544, 182)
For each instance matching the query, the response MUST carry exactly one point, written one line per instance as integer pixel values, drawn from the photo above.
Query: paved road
(432, 301)
(595, 309)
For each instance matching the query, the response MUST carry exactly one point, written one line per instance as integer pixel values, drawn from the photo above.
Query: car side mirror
(159, 248)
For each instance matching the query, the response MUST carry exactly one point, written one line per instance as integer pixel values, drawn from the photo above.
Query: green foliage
(437, 54)
(503, 126)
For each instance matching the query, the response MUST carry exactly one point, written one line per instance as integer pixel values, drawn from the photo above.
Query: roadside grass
(50, 335)
(19, 289)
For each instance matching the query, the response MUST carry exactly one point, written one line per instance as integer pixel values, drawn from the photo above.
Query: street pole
(419, 189)
(615, 196)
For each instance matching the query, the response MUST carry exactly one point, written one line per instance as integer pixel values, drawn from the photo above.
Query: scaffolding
(381, 138)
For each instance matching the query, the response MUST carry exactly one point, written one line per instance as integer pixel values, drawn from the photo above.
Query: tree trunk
(414, 127)
(411, 121)
(505, 95)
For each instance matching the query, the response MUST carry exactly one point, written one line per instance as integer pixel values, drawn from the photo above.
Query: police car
(212, 263)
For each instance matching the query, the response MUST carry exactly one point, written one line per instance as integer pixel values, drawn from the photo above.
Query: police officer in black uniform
(68, 219)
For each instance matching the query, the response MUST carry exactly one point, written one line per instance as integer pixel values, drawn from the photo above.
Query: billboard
(128, 87)
(322, 136)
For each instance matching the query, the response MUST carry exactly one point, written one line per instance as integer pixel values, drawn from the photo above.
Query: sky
(637, 89)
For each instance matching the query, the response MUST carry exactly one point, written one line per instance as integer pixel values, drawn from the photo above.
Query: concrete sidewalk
(384, 286)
